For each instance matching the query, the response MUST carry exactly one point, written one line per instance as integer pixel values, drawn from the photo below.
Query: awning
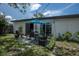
(38, 22)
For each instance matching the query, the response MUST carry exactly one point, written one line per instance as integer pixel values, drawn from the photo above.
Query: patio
(36, 32)
(37, 27)
(32, 40)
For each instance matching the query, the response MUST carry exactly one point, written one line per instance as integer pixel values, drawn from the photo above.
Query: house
(48, 25)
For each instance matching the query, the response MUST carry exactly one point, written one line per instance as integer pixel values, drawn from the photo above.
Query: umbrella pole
(45, 29)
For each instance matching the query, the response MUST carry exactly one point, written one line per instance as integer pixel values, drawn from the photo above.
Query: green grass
(6, 36)
(63, 48)
(11, 46)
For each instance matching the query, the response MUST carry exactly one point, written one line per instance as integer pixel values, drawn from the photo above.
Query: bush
(76, 37)
(51, 43)
(66, 36)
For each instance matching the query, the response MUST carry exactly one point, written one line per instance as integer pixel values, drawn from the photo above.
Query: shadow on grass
(3, 34)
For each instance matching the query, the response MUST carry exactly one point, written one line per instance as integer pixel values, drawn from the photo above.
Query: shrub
(51, 43)
(76, 37)
(66, 36)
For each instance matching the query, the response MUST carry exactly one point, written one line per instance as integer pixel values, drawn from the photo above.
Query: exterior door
(46, 29)
(27, 28)
(42, 29)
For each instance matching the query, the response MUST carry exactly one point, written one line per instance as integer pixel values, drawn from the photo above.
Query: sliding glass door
(29, 28)
(46, 29)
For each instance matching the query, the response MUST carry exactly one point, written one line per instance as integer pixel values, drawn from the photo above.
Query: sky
(47, 9)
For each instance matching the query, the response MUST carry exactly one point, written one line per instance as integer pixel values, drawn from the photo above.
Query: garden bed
(65, 48)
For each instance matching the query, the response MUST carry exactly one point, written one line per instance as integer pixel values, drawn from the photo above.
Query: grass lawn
(62, 48)
(7, 36)
(9, 46)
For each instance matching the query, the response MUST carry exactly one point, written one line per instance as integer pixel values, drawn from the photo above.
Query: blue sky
(47, 9)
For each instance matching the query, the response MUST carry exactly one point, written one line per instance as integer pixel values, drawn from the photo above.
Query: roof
(53, 17)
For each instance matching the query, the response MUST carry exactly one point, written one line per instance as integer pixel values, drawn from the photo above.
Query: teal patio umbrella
(38, 22)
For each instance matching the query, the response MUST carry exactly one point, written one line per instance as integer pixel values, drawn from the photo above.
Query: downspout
(54, 28)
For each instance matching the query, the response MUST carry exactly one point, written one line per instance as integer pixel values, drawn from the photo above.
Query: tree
(38, 15)
(3, 24)
(21, 6)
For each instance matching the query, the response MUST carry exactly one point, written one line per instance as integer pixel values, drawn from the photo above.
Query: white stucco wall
(60, 26)
(63, 25)
(16, 26)
(68, 24)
